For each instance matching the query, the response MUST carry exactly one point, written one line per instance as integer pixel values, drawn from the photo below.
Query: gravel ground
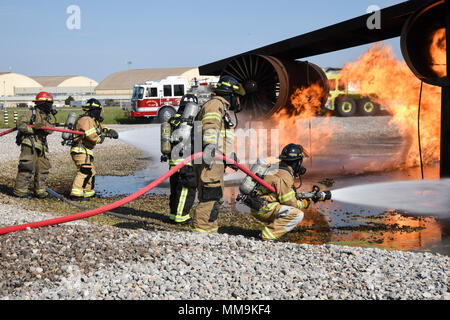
(82, 260)
(360, 128)
(86, 261)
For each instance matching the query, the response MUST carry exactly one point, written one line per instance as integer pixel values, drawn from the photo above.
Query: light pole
(129, 77)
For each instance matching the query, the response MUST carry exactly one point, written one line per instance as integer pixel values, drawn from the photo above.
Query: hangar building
(17, 88)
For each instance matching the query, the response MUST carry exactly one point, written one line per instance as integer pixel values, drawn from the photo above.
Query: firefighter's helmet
(44, 102)
(188, 98)
(293, 152)
(92, 104)
(293, 155)
(228, 85)
(44, 97)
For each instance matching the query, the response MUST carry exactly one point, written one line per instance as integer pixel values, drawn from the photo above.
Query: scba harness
(26, 138)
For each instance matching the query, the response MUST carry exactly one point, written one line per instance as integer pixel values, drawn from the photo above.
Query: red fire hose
(112, 206)
(60, 130)
(44, 128)
(7, 131)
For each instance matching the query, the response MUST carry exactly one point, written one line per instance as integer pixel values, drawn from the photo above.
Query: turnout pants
(32, 172)
(279, 219)
(210, 194)
(182, 194)
(83, 185)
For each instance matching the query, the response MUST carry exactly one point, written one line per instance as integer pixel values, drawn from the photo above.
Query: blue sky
(158, 34)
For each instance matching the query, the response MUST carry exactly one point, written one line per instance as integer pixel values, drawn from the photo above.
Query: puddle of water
(109, 186)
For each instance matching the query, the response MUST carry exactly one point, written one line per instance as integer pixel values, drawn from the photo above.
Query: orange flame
(307, 103)
(438, 52)
(395, 86)
(295, 124)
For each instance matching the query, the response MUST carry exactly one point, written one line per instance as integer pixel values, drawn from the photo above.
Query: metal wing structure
(347, 34)
(272, 73)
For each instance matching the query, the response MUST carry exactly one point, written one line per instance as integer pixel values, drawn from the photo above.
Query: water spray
(423, 197)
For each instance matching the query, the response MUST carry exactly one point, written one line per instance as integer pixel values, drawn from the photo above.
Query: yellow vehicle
(345, 100)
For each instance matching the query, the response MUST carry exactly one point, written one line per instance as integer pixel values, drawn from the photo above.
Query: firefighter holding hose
(282, 211)
(218, 137)
(183, 184)
(82, 149)
(34, 165)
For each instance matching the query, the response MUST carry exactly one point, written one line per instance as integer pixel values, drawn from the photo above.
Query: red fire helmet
(43, 96)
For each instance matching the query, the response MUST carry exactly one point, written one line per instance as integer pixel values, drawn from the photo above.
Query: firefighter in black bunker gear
(183, 184)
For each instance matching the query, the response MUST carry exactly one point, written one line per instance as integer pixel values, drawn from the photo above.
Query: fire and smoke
(306, 101)
(388, 82)
(438, 52)
(295, 123)
(393, 85)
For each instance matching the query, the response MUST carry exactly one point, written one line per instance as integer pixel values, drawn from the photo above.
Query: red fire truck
(161, 98)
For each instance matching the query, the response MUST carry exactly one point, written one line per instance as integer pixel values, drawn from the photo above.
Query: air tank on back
(71, 121)
(249, 185)
(183, 133)
(166, 146)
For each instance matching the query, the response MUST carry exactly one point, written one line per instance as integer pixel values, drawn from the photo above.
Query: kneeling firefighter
(280, 211)
(34, 165)
(217, 137)
(183, 184)
(82, 148)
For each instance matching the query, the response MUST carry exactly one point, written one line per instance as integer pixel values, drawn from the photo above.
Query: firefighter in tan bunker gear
(34, 165)
(82, 149)
(282, 211)
(217, 137)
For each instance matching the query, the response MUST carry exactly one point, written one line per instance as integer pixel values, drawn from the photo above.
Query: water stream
(424, 197)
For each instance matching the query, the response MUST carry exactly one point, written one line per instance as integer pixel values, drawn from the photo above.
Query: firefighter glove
(113, 134)
(305, 203)
(101, 138)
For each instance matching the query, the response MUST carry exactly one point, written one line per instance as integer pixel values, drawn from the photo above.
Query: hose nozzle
(324, 196)
(315, 195)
